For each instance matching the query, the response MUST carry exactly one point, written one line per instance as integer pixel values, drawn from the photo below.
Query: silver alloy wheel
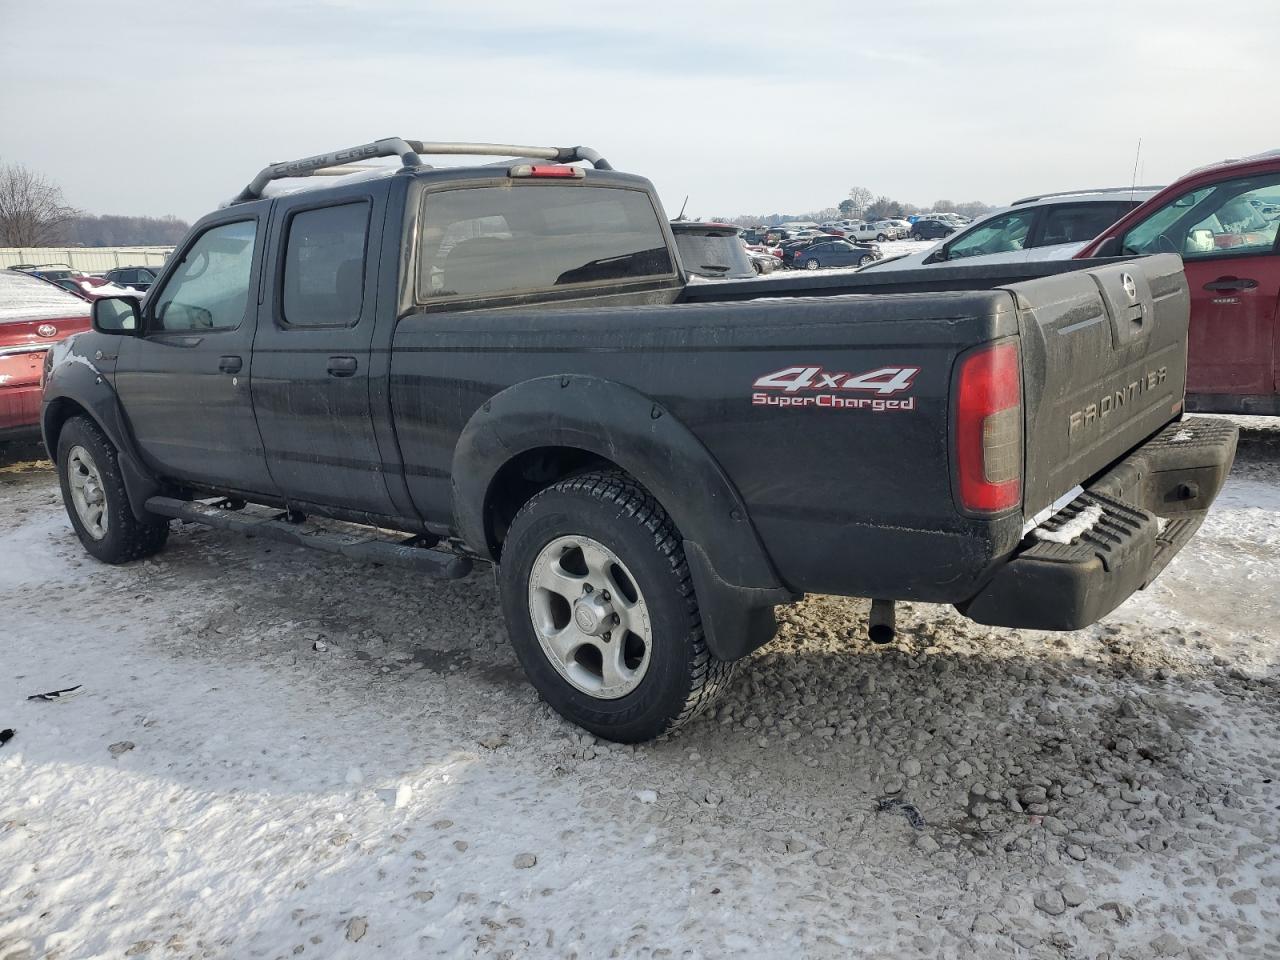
(812, 264)
(590, 617)
(87, 493)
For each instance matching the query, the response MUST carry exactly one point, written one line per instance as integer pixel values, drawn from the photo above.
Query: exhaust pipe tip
(881, 622)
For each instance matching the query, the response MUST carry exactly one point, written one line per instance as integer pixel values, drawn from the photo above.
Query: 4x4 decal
(816, 387)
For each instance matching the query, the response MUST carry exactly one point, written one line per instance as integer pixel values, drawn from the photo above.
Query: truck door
(1228, 244)
(312, 351)
(184, 383)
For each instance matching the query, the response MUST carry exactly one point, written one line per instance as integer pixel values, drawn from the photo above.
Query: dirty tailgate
(1105, 360)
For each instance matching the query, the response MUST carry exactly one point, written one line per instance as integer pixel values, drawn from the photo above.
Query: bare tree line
(34, 213)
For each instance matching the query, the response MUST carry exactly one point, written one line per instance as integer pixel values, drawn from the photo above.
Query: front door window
(210, 288)
(1232, 218)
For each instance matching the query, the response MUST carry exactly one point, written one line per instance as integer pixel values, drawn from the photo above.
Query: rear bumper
(19, 410)
(1151, 504)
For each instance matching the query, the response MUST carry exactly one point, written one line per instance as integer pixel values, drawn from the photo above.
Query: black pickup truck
(504, 363)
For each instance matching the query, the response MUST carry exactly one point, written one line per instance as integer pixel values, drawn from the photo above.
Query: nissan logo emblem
(1130, 287)
(47, 330)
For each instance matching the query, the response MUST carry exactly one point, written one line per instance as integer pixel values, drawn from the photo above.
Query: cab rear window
(514, 239)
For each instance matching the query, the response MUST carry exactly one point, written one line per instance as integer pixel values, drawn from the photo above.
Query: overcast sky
(170, 106)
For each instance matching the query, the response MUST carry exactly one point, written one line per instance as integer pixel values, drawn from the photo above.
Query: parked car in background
(1222, 221)
(779, 235)
(140, 278)
(712, 250)
(52, 272)
(34, 315)
(1047, 227)
(792, 247)
(879, 230)
(932, 229)
(904, 227)
(833, 253)
(764, 262)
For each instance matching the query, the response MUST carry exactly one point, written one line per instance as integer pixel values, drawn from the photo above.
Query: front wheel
(863, 261)
(601, 611)
(94, 495)
(881, 237)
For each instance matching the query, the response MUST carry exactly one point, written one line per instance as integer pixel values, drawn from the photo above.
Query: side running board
(434, 563)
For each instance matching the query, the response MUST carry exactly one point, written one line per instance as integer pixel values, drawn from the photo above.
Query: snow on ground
(278, 753)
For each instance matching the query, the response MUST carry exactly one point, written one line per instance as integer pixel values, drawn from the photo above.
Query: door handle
(342, 366)
(1231, 283)
(230, 364)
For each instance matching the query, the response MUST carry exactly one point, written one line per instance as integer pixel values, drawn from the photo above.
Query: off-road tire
(683, 677)
(127, 538)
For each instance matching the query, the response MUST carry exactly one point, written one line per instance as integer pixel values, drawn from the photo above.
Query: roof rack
(409, 152)
(1072, 193)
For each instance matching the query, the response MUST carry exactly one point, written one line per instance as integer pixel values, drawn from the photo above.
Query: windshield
(1000, 234)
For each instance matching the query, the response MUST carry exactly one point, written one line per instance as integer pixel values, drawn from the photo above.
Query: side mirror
(119, 316)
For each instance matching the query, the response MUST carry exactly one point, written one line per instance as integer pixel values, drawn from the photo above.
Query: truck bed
(853, 500)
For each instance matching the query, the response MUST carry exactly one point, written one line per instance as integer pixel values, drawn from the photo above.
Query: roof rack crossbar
(1072, 193)
(409, 151)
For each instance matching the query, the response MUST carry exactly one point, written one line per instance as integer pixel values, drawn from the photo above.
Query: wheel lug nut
(586, 588)
(604, 595)
(616, 619)
(608, 635)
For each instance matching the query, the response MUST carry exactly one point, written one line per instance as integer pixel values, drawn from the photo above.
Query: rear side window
(1076, 223)
(486, 241)
(324, 266)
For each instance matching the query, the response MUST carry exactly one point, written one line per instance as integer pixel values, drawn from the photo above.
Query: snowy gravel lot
(279, 753)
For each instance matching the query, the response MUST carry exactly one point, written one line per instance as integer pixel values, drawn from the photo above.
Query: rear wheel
(811, 264)
(94, 495)
(601, 610)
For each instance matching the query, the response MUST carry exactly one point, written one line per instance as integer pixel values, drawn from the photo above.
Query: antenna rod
(1133, 183)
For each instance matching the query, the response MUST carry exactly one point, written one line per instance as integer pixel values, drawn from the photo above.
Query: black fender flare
(732, 574)
(74, 383)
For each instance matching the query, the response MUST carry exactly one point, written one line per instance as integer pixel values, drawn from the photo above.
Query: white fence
(89, 259)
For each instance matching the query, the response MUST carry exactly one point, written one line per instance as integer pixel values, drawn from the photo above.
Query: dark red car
(34, 315)
(1224, 220)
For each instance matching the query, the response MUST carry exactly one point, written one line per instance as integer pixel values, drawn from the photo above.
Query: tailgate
(1104, 354)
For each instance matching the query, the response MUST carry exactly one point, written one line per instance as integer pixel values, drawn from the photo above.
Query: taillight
(989, 429)
(552, 170)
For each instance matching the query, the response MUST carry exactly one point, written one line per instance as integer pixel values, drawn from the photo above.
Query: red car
(34, 315)
(1224, 220)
